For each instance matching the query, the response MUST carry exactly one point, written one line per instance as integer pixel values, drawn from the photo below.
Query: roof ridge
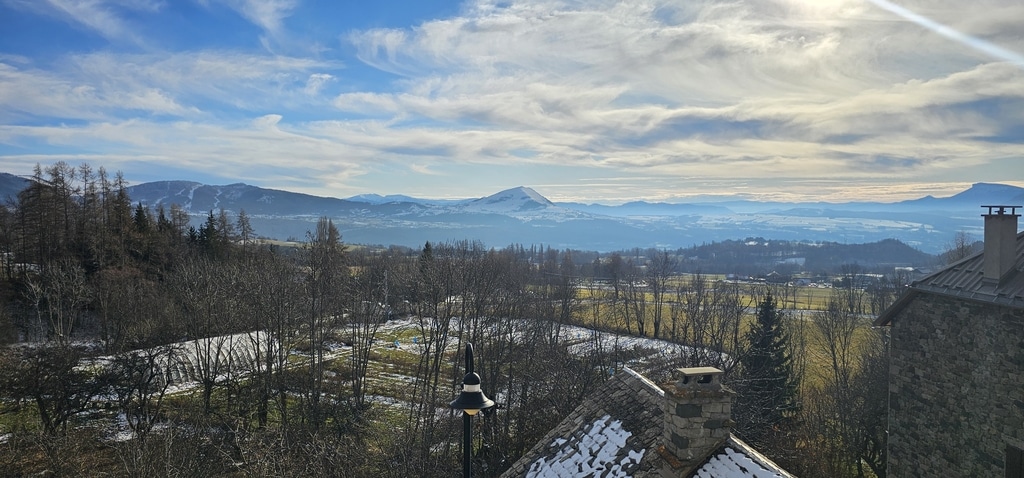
(755, 455)
(644, 380)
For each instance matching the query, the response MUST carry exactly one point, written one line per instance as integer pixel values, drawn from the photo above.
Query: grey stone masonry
(956, 387)
(697, 419)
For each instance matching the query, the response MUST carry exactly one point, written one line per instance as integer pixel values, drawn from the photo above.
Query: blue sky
(603, 101)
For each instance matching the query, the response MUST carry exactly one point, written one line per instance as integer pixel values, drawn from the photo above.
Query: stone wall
(697, 423)
(956, 384)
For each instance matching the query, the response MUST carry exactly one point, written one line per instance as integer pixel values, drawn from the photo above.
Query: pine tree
(209, 238)
(142, 219)
(767, 391)
(245, 230)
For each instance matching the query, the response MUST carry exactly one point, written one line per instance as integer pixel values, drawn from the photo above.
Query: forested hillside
(137, 345)
(758, 255)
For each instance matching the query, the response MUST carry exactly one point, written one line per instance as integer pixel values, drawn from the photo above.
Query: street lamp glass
(471, 399)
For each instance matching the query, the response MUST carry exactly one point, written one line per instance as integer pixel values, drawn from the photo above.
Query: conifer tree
(245, 230)
(767, 390)
(142, 219)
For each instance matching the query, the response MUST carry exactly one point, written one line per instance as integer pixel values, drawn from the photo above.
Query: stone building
(956, 375)
(631, 427)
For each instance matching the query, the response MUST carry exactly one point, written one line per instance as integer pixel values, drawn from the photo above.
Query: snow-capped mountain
(524, 204)
(524, 216)
(197, 198)
(377, 199)
(520, 199)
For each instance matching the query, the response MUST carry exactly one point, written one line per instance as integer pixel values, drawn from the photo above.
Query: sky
(594, 101)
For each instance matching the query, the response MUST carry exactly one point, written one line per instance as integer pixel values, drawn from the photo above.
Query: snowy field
(183, 364)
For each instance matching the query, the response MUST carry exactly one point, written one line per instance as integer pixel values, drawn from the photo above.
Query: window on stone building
(1014, 462)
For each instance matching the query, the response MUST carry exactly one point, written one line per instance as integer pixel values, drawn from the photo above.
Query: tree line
(104, 298)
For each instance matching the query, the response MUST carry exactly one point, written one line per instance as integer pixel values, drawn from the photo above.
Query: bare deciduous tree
(58, 297)
(635, 298)
(208, 316)
(369, 308)
(325, 278)
(659, 270)
(960, 247)
(50, 377)
(707, 317)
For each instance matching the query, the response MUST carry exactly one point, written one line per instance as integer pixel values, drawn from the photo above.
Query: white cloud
(766, 89)
(36, 93)
(104, 17)
(985, 47)
(268, 122)
(423, 169)
(367, 103)
(732, 94)
(106, 85)
(251, 152)
(266, 14)
(316, 82)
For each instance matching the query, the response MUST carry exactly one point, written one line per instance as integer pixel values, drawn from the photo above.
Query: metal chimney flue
(1000, 242)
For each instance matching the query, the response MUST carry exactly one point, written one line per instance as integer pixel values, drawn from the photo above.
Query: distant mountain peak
(370, 198)
(517, 193)
(518, 199)
(986, 192)
(522, 215)
(377, 199)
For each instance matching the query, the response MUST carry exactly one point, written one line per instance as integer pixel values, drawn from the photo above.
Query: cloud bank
(582, 100)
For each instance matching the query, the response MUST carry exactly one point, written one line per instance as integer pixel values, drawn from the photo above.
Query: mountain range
(521, 215)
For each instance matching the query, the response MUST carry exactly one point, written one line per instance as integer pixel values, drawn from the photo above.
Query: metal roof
(965, 279)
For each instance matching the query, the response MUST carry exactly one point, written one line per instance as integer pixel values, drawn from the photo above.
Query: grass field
(800, 303)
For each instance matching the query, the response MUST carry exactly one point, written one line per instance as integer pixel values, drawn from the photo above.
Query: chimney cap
(1000, 210)
(699, 371)
(699, 377)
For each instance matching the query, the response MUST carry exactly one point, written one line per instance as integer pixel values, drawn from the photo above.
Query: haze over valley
(523, 216)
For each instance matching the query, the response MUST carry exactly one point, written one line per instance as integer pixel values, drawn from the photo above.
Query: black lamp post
(471, 400)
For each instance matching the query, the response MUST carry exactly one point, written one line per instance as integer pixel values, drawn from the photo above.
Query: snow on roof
(730, 463)
(596, 453)
(616, 431)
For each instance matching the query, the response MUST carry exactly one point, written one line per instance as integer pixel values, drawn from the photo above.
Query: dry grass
(800, 303)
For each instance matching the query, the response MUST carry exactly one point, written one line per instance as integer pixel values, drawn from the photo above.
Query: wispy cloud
(979, 44)
(110, 86)
(266, 14)
(104, 17)
(423, 169)
(646, 98)
(705, 88)
(251, 152)
(316, 82)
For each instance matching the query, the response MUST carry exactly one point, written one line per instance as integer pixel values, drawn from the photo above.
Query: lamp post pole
(467, 445)
(471, 400)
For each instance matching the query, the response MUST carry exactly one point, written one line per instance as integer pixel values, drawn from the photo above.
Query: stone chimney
(1000, 242)
(697, 419)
